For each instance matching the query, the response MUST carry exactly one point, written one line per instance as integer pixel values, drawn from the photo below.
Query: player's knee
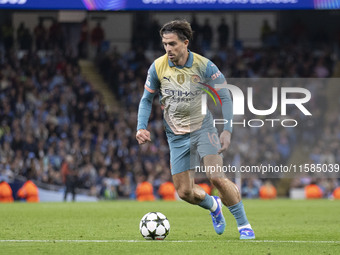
(184, 193)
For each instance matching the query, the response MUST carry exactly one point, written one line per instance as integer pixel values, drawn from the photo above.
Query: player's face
(176, 49)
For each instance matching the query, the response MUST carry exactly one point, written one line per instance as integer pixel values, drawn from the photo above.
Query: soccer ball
(154, 226)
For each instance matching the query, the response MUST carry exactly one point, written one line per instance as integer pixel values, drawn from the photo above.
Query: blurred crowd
(55, 128)
(325, 153)
(295, 62)
(48, 111)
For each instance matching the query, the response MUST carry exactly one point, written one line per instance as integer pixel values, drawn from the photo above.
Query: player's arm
(216, 77)
(227, 112)
(145, 105)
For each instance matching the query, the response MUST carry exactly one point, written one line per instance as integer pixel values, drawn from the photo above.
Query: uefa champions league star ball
(154, 226)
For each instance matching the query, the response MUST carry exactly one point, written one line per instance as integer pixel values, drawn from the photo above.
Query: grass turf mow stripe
(112, 227)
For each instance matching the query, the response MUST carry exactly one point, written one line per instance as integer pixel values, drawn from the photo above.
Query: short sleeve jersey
(181, 89)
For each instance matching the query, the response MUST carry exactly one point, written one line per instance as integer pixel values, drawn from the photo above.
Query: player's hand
(225, 141)
(143, 136)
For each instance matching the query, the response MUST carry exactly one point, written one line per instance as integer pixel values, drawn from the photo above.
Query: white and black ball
(154, 226)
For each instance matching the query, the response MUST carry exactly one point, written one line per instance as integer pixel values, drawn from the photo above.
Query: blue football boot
(217, 217)
(246, 233)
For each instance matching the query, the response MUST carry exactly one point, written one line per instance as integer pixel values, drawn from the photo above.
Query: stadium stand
(50, 110)
(290, 61)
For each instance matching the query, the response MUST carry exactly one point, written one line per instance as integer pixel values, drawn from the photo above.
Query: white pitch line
(285, 241)
(168, 241)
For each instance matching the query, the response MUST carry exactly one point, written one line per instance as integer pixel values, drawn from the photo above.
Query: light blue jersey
(190, 133)
(181, 91)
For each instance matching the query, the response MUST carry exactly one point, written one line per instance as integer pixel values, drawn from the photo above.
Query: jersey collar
(187, 64)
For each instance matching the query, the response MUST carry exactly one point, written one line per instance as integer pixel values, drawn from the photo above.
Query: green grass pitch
(281, 227)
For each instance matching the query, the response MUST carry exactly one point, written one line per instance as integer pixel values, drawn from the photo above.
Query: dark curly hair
(180, 27)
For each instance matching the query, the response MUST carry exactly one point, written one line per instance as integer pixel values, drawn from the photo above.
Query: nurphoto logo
(239, 103)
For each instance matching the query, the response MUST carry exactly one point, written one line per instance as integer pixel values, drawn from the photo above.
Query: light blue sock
(239, 214)
(207, 202)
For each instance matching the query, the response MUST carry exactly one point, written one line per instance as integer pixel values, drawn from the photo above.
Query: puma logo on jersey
(168, 79)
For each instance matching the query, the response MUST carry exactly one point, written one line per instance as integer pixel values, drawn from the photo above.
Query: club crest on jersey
(195, 79)
(180, 78)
